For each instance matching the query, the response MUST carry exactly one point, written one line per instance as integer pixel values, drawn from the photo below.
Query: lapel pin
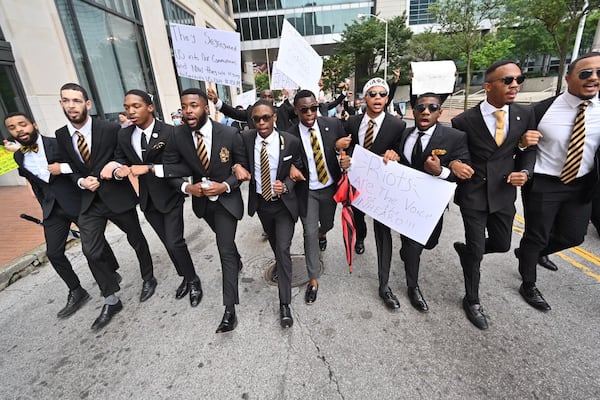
(518, 118)
(155, 135)
(326, 128)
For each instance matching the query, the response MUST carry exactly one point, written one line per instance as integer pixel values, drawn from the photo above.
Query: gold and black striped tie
(265, 172)
(201, 151)
(83, 148)
(575, 149)
(318, 155)
(369, 135)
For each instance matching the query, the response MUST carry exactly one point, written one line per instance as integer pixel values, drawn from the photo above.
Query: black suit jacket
(59, 190)
(487, 189)
(227, 149)
(388, 137)
(290, 153)
(159, 190)
(453, 141)
(118, 196)
(285, 115)
(331, 130)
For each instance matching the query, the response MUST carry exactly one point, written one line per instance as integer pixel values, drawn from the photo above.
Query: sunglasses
(433, 107)
(373, 93)
(587, 74)
(507, 80)
(304, 110)
(265, 118)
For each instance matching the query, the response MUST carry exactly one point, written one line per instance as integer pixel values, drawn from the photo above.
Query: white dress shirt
(487, 112)
(410, 143)
(37, 163)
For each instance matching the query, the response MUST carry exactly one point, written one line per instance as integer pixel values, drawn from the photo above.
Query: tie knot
(584, 104)
(371, 123)
(265, 143)
(198, 134)
(79, 134)
(499, 114)
(420, 133)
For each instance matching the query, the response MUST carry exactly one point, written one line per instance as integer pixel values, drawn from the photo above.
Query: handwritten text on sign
(406, 200)
(207, 54)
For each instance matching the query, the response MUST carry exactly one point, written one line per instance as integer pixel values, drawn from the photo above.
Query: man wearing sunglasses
(320, 137)
(380, 133)
(270, 154)
(558, 201)
(211, 151)
(499, 132)
(439, 151)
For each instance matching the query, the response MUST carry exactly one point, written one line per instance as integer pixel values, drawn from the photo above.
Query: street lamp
(385, 57)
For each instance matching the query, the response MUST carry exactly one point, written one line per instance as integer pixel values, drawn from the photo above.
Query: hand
(345, 161)
(530, 138)
(215, 189)
(343, 143)
(278, 187)
(54, 168)
(11, 146)
(137, 170)
(91, 183)
(241, 173)
(461, 170)
(122, 171)
(296, 175)
(433, 165)
(390, 155)
(396, 75)
(284, 94)
(517, 178)
(107, 171)
(212, 95)
(194, 189)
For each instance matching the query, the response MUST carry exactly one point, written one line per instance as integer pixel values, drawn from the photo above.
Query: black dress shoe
(323, 243)
(547, 263)
(106, 315)
(182, 290)
(285, 316)
(148, 288)
(310, 296)
(359, 247)
(77, 298)
(475, 314)
(390, 300)
(417, 300)
(228, 323)
(534, 298)
(195, 292)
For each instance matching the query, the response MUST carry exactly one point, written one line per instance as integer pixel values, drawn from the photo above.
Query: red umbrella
(345, 194)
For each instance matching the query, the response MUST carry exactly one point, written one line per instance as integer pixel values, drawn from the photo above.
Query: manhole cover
(299, 274)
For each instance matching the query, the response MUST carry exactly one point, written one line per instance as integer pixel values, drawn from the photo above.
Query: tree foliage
(261, 81)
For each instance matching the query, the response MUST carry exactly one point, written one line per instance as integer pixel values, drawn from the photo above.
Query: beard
(79, 120)
(33, 136)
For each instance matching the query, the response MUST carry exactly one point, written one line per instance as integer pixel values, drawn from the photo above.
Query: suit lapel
(215, 147)
(282, 153)
(435, 142)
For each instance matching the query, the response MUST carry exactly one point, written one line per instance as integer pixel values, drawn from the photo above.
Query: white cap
(375, 82)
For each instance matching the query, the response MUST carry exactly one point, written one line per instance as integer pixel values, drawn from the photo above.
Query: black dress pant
(56, 231)
(410, 253)
(359, 224)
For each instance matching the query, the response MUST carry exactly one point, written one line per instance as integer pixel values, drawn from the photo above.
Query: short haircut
(265, 103)
(77, 87)
(430, 94)
(497, 65)
(144, 95)
(302, 94)
(19, 114)
(195, 91)
(573, 63)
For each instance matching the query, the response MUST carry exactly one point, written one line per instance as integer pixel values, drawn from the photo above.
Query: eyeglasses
(373, 93)
(265, 118)
(587, 74)
(433, 107)
(304, 110)
(507, 80)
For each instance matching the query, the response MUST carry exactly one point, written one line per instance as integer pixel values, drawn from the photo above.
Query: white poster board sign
(279, 80)
(298, 60)
(207, 55)
(408, 201)
(247, 98)
(433, 76)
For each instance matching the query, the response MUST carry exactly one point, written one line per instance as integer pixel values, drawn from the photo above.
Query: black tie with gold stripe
(265, 173)
(318, 155)
(83, 148)
(201, 151)
(575, 149)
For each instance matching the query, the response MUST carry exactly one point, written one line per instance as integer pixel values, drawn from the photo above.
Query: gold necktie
(575, 150)
(265, 172)
(369, 135)
(26, 149)
(201, 151)
(83, 148)
(499, 134)
(318, 155)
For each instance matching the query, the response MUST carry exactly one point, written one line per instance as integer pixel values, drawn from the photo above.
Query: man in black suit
(321, 137)
(90, 144)
(439, 151)
(380, 133)
(270, 155)
(558, 201)
(140, 152)
(211, 150)
(497, 133)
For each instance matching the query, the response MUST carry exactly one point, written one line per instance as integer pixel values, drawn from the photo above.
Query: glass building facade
(419, 12)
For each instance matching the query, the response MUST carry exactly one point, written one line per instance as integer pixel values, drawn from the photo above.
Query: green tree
(336, 68)
(431, 46)
(530, 38)
(463, 20)
(493, 49)
(261, 81)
